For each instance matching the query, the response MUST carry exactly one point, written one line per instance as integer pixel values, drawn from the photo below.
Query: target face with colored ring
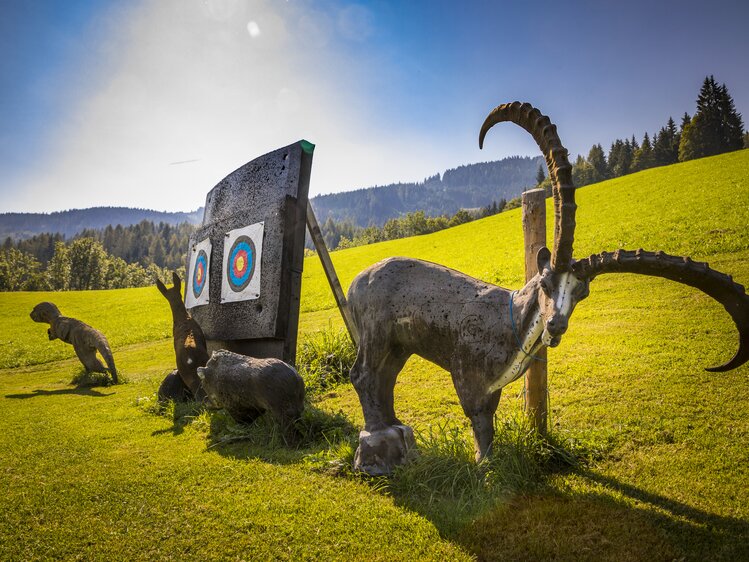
(241, 263)
(198, 284)
(199, 274)
(243, 256)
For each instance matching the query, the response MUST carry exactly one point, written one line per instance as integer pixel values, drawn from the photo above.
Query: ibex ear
(177, 281)
(543, 259)
(161, 287)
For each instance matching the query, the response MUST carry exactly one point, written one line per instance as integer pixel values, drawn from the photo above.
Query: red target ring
(241, 266)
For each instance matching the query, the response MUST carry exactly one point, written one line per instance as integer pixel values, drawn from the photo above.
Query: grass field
(94, 473)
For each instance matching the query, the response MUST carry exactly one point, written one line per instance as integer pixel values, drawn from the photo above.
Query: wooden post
(534, 234)
(327, 265)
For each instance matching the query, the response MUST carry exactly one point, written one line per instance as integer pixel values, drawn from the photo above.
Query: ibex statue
(484, 335)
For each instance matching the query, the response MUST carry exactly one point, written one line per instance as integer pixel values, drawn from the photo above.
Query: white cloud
(190, 82)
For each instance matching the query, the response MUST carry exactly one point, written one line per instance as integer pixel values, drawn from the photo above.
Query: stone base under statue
(381, 451)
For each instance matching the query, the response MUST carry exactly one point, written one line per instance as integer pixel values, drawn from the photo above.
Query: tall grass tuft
(86, 379)
(325, 358)
(445, 483)
(443, 476)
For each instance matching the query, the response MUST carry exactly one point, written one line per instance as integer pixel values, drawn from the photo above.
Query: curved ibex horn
(683, 270)
(545, 134)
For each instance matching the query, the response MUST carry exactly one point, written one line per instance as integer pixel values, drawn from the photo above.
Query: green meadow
(654, 450)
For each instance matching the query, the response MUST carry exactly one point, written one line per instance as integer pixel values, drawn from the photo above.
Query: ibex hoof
(382, 450)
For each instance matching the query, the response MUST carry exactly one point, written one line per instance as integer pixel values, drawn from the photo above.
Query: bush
(325, 358)
(85, 379)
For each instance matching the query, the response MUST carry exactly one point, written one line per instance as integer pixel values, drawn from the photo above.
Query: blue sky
(150, 103)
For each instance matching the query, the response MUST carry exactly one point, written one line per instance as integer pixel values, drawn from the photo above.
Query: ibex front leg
(373, 376)
(480, 409)
(385, 441)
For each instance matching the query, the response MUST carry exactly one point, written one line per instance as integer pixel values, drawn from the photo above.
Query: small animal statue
(484, 335)
(247, 387)
(189, 347)
(86, 341)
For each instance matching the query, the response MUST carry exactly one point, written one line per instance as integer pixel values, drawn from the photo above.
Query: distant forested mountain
(19, 226)
(464, 187)
(467, 187)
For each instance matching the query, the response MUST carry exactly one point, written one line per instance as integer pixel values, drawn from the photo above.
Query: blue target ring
(199, 274)
(241, 266)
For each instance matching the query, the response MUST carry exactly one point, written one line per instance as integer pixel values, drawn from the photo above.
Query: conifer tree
(597, 159)
(732, 124)
(686, 119)
(540, 175)
(715, 128)
(643, 157)
(673, 137)
(660, 147)
(615, 158)
(625, 162)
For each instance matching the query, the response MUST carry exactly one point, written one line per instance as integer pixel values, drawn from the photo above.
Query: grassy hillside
(92, 473)
(698, 208)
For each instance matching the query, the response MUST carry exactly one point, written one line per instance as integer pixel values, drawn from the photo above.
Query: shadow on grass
(83, 385)
(314, 433)
(705, 535)
(182, 415)
(79, 390)
(505, 509)
(603, 526)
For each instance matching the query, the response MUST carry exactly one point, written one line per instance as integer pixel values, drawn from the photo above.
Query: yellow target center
(240, 263)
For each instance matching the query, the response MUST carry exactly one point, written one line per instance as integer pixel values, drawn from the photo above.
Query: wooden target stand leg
(327, 265)
(534, 235)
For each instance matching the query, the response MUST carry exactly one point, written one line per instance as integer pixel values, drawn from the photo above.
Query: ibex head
(558, 294)
(564, 281)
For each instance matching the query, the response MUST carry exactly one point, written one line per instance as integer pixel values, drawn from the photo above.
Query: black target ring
(241, 266)
(199, 274)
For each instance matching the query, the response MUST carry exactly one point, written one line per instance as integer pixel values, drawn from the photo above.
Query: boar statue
(247, 387)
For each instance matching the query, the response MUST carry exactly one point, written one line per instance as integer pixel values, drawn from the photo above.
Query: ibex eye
(546, 288)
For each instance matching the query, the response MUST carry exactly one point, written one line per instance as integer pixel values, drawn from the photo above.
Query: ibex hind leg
(373, 376)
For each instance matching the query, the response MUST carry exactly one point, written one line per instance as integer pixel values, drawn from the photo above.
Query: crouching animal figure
(247, 387)
(484, 335)
(189, 347)
(86, 341)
